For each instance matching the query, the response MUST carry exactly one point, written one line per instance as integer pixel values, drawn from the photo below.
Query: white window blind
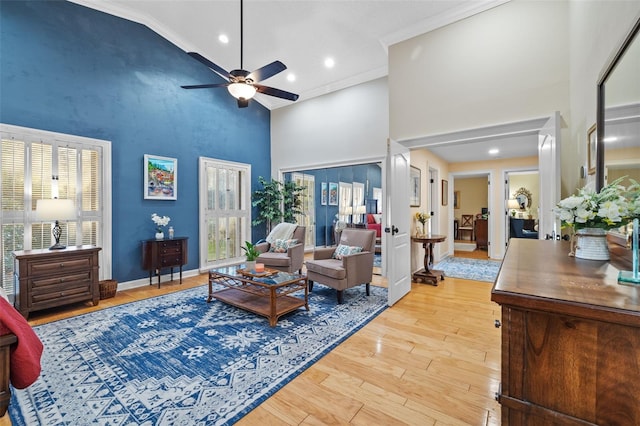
(42, 165)
(225, 211)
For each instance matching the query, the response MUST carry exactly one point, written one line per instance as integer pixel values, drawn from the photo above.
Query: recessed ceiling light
(222, 38)
(329, 63)
(610, 139)
(494, 151)
(291, 77)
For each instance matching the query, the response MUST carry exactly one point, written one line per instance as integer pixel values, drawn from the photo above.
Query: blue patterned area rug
(469, 269)
(176, 360)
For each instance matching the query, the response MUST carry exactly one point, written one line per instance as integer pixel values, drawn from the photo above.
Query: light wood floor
(431, 359)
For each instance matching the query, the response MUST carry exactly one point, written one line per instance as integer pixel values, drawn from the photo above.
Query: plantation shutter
(43, 165)
(225, 211)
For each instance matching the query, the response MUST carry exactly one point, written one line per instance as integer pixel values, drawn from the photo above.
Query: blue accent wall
(70, 69)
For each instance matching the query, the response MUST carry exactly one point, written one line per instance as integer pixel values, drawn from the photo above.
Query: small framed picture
(414, 187)
(324, 193)
(456, 199)
(591, 149)
(333, 194)
(445, 192)
(160, 178)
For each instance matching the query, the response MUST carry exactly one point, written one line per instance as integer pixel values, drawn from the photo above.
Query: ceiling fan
(243, 84)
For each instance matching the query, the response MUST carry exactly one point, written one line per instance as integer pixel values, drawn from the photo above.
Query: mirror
(347, 192)
(618, 115)
(523, 196)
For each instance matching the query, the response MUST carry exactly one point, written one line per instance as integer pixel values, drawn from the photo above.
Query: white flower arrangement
(160, 221)
(610, 208)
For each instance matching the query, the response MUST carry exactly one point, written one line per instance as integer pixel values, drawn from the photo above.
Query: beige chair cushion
(328, 267)
(274, 259)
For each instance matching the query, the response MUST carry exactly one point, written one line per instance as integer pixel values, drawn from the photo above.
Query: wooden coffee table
(268, 294)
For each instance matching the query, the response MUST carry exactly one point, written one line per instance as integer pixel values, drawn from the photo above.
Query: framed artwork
(333, 194)
(324, 194)
(414, 187)
(160, 178)
(456, 199)
(591, 150)
(445, 192)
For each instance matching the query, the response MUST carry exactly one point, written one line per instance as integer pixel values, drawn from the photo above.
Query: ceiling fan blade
(276, 92)
(215, 68)
(204, 86)
(267, 71)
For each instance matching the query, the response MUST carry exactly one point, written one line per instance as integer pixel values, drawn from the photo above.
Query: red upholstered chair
(371, 224)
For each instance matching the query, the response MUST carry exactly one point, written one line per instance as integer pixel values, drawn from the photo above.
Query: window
(308, 206)
(37, 165)
(225, 211)
(345, 200)
(359, 208)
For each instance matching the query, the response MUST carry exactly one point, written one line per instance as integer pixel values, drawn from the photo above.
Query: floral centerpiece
(423, 218)
(160, 222)
(592, 213)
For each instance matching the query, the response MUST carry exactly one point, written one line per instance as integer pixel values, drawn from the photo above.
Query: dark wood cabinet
(6, 342)
(50, 278)
(570, 338)
(162, 254)
(482, 235)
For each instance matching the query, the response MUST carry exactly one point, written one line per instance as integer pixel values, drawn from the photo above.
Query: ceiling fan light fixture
(241, 90)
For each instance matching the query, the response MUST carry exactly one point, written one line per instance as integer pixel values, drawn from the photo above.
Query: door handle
(393, 230)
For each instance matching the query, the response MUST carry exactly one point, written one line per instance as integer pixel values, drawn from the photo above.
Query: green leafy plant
(250, 251)
(276, 202)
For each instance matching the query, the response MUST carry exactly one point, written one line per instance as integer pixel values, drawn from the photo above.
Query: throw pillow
(281, 246)
(343, 250)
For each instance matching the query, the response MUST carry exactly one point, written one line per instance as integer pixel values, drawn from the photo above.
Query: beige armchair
(290, 261)
(351, 270)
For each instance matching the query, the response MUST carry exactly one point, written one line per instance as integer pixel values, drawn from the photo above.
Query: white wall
(506, 64)
(342, 127)
(597, 28)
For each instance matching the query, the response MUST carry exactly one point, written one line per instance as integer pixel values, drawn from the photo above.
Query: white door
(549, 168)
(397, 225)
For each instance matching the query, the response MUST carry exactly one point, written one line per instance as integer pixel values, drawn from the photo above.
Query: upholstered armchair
(348, 265)
(283, 256)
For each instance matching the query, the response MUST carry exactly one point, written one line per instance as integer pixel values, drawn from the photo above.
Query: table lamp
(361, 211)
(513, 205)
(55, 209)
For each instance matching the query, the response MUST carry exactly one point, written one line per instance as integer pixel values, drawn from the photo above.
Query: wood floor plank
(431, 359)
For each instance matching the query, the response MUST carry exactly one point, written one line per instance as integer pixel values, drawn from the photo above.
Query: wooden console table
(166, 253)
(50, 278)
(570, 337)
(428, 275)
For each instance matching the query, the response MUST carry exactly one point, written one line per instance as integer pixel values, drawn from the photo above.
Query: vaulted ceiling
(302, 34)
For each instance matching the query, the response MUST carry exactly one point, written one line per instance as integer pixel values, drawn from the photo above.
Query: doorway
(471, 209)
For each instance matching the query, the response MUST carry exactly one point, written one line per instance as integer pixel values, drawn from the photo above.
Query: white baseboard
(464, 246)
(127, 285)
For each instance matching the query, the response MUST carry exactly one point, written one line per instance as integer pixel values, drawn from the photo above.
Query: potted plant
(276, 202)
(251, 254)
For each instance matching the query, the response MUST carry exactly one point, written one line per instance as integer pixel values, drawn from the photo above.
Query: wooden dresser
(50, 278)
(482, 235)
(570, 337)
(6, 341)
(167, 253)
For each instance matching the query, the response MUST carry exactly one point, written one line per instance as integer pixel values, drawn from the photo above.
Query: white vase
(591, 244)
(159, 235)
(250, 265)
